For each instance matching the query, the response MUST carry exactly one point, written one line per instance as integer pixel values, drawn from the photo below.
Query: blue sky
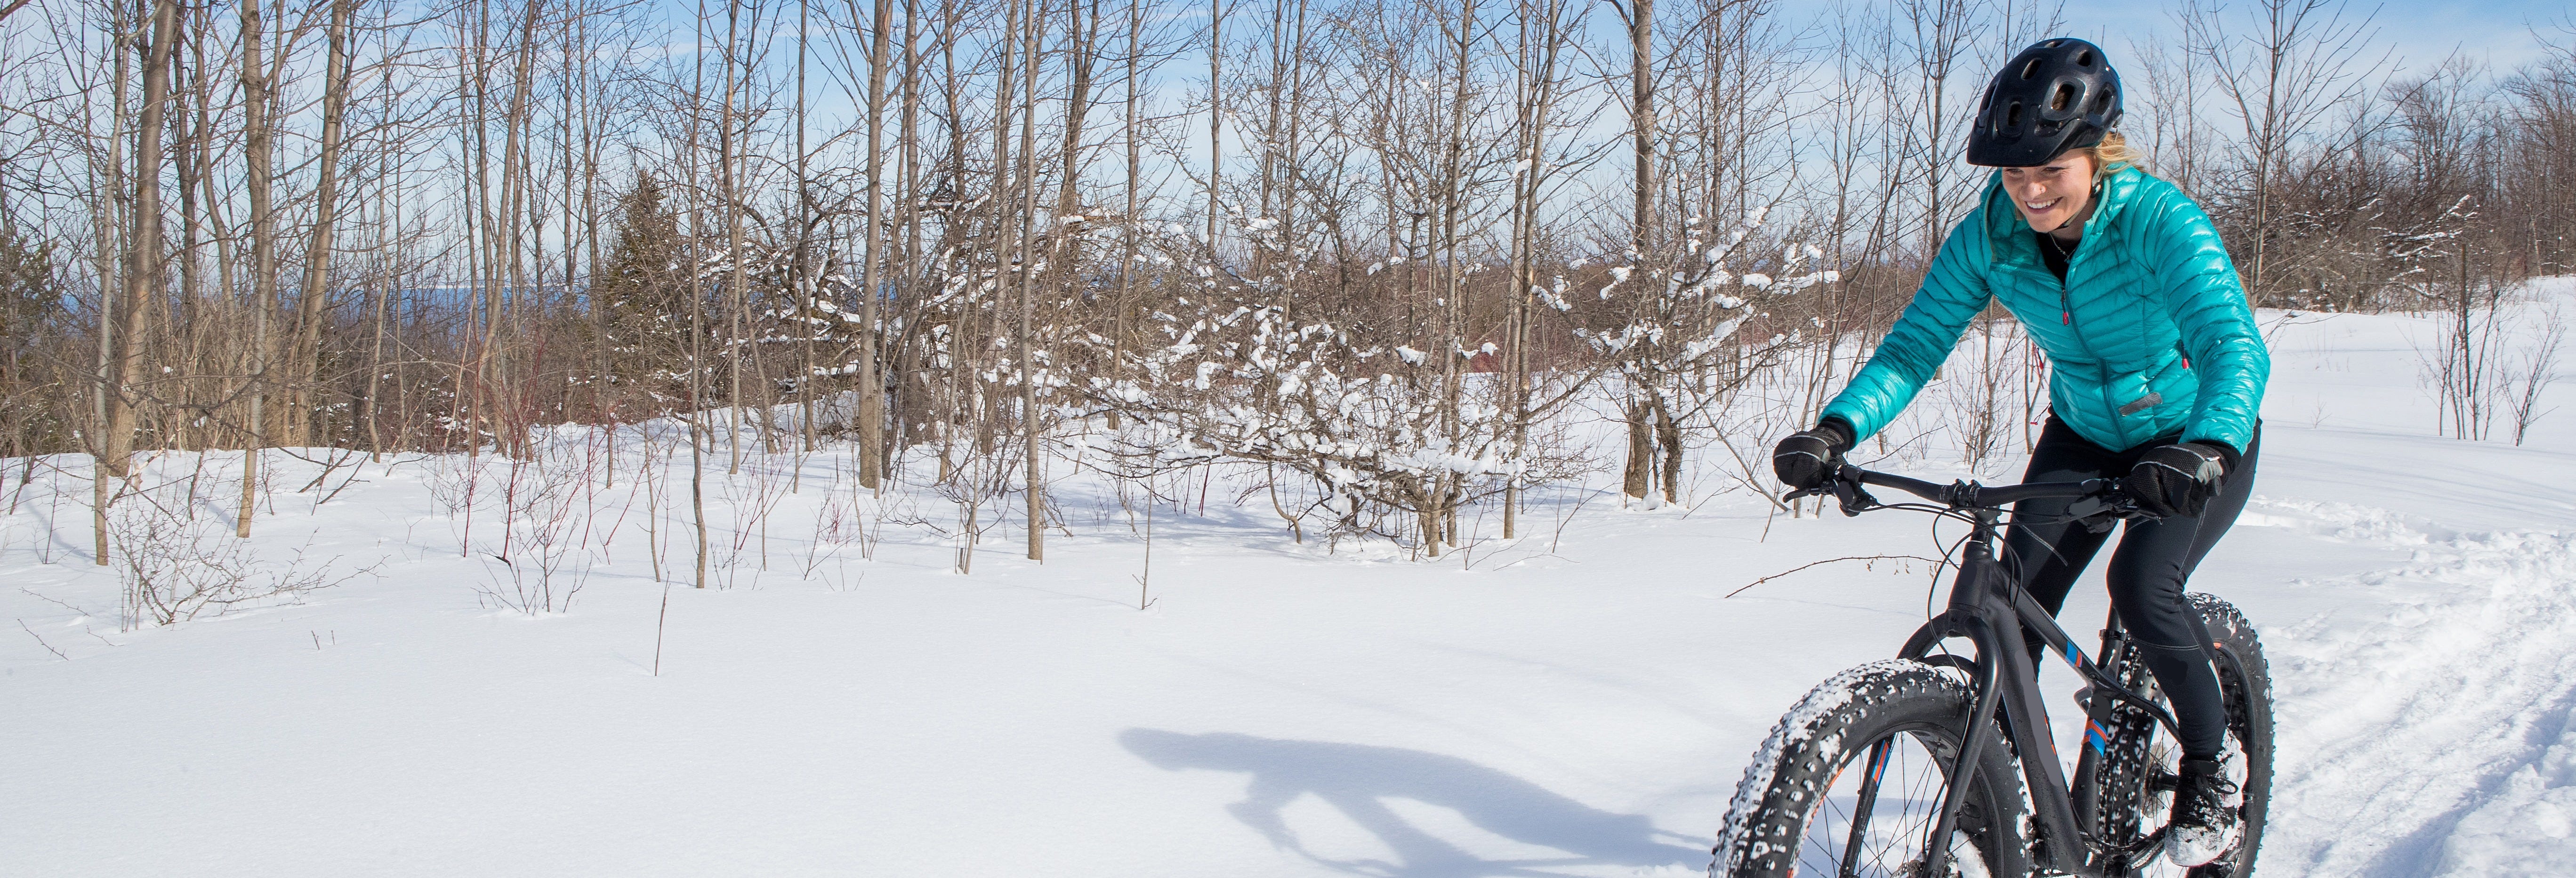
(2424, 31)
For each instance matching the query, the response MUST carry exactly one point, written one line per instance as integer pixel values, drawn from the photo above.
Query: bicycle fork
(1992, 612)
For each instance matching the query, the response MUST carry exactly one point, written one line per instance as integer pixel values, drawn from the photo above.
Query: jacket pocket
(2149, 397)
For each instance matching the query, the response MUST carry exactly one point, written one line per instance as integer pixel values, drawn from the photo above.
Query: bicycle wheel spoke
(1874, 821)
(1921, 805)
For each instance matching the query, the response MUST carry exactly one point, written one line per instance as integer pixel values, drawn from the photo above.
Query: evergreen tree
(644, 289)
(30, 298)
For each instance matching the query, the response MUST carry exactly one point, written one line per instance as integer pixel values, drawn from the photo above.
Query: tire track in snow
(2394, 732)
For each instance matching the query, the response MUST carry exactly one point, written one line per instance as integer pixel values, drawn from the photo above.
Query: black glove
(2177, 480)
(1804, 459)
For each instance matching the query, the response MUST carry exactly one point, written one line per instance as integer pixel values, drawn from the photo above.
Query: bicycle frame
(1989, 609)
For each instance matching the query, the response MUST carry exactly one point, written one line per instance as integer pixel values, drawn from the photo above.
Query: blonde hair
(2112, 154)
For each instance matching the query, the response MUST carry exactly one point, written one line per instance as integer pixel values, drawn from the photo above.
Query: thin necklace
(2054, 244)
(2051, 235)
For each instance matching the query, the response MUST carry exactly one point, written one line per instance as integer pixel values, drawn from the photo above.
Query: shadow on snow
(1358, 779)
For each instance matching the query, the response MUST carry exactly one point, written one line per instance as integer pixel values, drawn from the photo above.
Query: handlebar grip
(2007, 494)
(1936, 493)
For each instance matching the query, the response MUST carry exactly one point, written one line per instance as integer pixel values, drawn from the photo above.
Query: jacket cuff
(2228, 456)
(1837, 431)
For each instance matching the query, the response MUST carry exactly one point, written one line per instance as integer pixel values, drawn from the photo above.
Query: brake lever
(2097, 513)
(1830, 487)
(1847, 493)
(1851, 497)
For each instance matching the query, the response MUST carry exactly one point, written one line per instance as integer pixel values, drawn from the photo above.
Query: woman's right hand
(1803, 460)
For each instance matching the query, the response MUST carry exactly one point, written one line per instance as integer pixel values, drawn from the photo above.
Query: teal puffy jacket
(2148, 336)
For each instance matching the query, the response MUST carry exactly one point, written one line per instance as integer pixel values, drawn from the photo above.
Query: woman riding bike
(2157, 374)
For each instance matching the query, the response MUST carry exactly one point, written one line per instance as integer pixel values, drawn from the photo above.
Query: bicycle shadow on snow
(1358, 779)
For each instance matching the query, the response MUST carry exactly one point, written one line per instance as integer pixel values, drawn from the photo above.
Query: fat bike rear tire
(1851, 779)
(2129, 781)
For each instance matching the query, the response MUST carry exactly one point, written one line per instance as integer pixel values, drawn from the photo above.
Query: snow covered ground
(1578, 702)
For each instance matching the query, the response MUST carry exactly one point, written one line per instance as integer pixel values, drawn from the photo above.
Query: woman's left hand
(2177, 480)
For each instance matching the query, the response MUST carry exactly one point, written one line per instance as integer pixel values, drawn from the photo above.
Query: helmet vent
(2102, 102)
(2012, 115)
(2031, 69)
(2063, 97)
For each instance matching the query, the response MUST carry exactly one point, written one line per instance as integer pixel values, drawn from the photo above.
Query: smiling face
(2051, 194)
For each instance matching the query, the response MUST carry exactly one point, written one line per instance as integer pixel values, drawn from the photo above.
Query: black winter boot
(2205, 807)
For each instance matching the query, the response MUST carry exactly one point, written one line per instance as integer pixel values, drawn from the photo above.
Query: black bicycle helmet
(2057, 95)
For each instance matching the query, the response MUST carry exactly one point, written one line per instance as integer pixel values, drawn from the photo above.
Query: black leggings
(2147, 572)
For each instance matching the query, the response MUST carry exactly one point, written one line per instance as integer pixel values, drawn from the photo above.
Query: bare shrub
(2538, 369)
(176, 567)
(456, 482)
(544, 556)
(1378, 441)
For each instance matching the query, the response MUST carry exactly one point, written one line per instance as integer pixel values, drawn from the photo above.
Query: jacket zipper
(2101, 370)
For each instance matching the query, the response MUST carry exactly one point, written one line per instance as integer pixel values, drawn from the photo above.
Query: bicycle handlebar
(1846, 481)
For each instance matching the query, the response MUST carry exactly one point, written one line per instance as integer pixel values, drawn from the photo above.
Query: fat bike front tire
(2129, 781)
(1850, 782)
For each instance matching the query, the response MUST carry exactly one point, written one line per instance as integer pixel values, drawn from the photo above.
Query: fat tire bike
(1936, 763)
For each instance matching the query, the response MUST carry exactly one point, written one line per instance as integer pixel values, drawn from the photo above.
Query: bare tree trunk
(871, 382)
(1641, 120)
(1541, 39)
(186, 165)
(306, 359)
(1130, 223)
(1668, 434)
(1081, 50)
(108, 189)
(731, 154)
(908, 133)
(143, 257)
(517, 183)
(1216, 117)
(381, 292)
(695, 302)
(257, 143)
(803, 271)
(1029, 373)
(1640, 21)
